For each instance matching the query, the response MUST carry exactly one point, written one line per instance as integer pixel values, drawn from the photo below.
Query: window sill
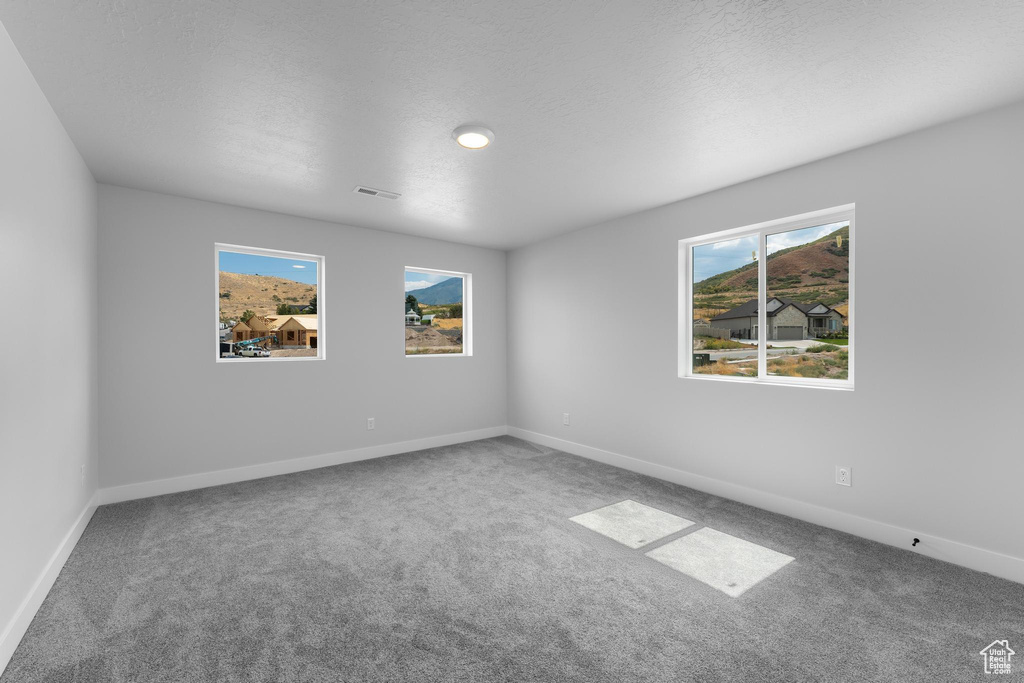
(242, 361)
(438, 355)
(774, 381)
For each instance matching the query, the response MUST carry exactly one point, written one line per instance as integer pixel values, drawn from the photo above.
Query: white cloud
(418, 284)
(294, 266)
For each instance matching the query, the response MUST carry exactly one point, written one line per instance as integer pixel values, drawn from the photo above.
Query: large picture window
(269, 305)
(437, 312)
(791, 279)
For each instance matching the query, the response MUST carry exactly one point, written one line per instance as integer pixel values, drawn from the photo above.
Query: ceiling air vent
(383, 194)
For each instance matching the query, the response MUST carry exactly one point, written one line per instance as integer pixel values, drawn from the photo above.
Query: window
(437, 313)
(800, 293)
(269, 305)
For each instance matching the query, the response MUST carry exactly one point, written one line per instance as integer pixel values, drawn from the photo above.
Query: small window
(268, 299)
(437, 312)
(800, 294)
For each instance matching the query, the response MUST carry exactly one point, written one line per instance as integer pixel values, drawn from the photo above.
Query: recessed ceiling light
(473, 137)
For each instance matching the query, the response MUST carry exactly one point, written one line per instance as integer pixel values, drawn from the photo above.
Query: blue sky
(414, 279)
(249, 264)
(712, 259)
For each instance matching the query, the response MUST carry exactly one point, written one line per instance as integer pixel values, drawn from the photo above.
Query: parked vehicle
(254, 352)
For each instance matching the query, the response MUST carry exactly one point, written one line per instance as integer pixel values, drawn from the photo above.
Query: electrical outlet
(369, 423)
(565, 419)
(844, 475)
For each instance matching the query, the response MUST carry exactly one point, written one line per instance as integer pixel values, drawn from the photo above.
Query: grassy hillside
(446, 292)
(259, 293)
(816, 271)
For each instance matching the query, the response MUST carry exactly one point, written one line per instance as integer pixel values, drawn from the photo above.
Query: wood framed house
(257, 326)
(297, 332)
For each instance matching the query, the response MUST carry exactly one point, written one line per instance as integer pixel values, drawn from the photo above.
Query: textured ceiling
(598, 108)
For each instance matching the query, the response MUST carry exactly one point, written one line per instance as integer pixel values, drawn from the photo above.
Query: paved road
(800, 343)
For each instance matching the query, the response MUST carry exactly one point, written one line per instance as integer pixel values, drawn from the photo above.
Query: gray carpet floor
(461, 564)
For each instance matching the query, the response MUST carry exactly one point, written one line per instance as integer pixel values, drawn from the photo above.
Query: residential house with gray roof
(787, 319)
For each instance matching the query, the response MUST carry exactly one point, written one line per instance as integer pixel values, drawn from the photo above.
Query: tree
(455, 311)
(285, 309)
(411, 304)
(248, 314)
(312, 304)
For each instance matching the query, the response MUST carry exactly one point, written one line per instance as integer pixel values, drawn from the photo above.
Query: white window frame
(321, 343)
(762, 230)
(467, 311)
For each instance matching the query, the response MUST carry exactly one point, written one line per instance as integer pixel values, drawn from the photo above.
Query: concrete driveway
(800, 344)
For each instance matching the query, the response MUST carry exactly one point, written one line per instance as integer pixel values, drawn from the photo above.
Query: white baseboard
(19, 623)
(159, 487)
(997, 564)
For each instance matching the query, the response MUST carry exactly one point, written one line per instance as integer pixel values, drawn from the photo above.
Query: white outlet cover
(848, 480)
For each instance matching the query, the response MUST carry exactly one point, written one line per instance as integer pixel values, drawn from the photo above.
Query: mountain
(816, 264)
(446, 292)
(259, 293)
(812, 272)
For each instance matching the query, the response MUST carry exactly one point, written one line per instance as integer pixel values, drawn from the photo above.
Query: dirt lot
(293, 353)
(825, 365)
(428, 340)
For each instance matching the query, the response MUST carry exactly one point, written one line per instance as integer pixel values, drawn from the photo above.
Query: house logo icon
(997, 657)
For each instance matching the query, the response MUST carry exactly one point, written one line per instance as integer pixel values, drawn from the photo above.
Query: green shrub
(822, 348)
(809, 370)
(714, 344)
(784, 280)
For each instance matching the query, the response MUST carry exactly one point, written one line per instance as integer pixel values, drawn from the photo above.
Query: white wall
(48, 382)
(169, 410)
(931, 430)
